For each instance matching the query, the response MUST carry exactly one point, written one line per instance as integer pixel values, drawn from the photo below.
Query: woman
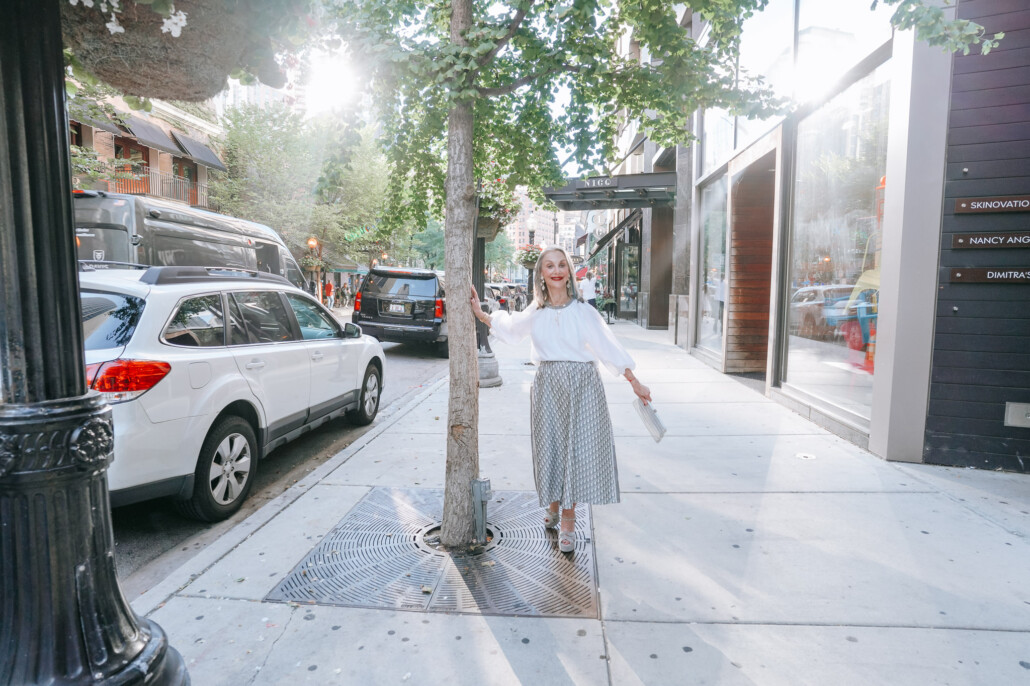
(573, 443)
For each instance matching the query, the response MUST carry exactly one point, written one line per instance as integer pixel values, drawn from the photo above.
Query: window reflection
(713, 259)
(767, 50)
(836, 242)
(832, 38)
(717, 138)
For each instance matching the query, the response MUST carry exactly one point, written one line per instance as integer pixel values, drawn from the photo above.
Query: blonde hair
(540, 295)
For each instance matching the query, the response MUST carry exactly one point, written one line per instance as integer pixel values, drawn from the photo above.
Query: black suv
(404, 305)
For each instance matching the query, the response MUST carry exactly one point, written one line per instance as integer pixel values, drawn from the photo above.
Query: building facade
(867, 255)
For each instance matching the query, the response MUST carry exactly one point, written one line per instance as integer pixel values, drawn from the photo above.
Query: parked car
(403, 305)
(208, 370)
(503, 294)
(113, 228)
(810, 305)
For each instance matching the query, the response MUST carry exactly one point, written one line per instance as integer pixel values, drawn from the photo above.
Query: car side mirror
(351, 330)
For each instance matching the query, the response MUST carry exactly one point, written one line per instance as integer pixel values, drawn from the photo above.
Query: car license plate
(396, 307)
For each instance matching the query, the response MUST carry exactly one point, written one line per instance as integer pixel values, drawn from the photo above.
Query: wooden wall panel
(981, 357)
(750, 269)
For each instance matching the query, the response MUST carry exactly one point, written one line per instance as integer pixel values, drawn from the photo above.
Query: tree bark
(463, 405)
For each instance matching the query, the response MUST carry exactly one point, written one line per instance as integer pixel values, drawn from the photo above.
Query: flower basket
(528, 255)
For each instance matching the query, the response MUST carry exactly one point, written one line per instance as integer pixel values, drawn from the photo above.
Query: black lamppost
(63, 619)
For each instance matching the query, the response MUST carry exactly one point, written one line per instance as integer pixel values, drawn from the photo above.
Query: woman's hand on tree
(477, 309)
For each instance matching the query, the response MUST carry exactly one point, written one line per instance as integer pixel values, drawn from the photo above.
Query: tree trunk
(463, 406)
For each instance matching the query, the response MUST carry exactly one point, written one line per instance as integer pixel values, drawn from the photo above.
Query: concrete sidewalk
(750, 547)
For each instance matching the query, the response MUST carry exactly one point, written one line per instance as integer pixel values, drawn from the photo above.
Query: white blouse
(575, 332)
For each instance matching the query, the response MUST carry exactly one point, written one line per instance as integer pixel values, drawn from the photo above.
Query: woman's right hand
(477, 309)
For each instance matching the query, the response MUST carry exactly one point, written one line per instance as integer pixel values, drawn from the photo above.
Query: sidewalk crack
(268, 653)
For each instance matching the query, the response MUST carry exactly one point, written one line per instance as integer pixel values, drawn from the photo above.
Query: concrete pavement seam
(185, 574)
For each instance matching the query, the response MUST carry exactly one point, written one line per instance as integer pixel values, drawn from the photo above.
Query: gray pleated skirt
(573, 442)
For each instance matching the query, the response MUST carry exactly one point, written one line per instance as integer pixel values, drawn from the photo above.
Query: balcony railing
(147, 181)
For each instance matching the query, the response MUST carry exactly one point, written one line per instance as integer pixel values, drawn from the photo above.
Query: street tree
(466, 84)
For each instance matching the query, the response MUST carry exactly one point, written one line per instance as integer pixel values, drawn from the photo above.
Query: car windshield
(400, 284)
(108, 319)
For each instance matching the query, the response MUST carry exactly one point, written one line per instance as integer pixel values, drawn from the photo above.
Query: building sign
(991, 275)
(1003, 203)
(991, 240)
(596, 182)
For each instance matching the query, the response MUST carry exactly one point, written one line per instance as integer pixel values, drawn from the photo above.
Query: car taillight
(439, 308)
(357, 301)
(502, 301)
(122, 380)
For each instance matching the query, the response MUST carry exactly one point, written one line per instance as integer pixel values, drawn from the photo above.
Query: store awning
(151, 135)
(611, 235)
(581, 240)
(82, 114)
(198, 152)
(615, 192)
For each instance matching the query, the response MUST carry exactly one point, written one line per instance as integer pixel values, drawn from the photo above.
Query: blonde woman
(573, 443)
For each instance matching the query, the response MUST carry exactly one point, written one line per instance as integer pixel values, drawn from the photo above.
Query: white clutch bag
(652, 422)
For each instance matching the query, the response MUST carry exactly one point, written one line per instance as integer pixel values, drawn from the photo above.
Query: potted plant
(527, 255)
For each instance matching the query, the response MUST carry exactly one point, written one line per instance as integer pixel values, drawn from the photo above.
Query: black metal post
(63, 619)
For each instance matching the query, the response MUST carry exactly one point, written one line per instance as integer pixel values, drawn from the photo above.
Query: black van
(134, 229)
(404, 305)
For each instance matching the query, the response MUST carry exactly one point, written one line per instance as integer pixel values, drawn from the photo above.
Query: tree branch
(512, 28)
(519, 83)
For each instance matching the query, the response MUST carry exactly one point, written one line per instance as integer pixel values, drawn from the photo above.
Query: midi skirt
(573, 442)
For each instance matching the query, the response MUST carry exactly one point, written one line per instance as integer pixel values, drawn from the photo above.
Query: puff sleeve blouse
(574, 332)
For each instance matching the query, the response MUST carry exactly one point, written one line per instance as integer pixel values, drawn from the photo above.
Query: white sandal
(567, 539)
(550, 518)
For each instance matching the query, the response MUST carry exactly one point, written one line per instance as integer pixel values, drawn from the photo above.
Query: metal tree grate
(376, 557)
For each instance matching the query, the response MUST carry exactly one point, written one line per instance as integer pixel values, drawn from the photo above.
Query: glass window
(237, 329)
(629, 276)
(835, 252)
(716, 139)
(314, 323)
(102, 243)
(713, 265)
(383, 283)
(767, 50)
(265, 316)
(832, 38)
(198, 322)
(191, 250)
(108, 319)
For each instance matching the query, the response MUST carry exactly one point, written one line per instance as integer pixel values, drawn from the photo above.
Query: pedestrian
(346, 293)
(588, 289)
(329, 294)
(572, 438)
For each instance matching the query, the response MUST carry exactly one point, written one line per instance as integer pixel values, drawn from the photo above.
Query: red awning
(581, 272)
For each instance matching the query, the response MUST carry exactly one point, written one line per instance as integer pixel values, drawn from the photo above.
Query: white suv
(209, 369)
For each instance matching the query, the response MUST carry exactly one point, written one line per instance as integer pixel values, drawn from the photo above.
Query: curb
(156, 597)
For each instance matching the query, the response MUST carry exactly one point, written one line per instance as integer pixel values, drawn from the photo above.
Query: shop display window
(836, 226)
(712, 297)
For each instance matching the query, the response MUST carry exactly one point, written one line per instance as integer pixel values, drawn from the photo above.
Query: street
(151, 538)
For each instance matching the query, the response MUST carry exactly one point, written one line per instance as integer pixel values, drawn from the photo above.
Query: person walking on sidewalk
(572, 437)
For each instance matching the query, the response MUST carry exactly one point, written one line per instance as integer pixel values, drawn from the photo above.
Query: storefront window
(716, 139)
(713, 267)
(835, 251)
(767, 50)
(629, 273)
(832, 38)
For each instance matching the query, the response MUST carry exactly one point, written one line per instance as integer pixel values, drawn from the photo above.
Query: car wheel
(368, 402)
(442, 349)
(225, 471)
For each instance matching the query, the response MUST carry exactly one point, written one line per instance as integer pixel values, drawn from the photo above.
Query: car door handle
(254, 364)
(317, 355)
